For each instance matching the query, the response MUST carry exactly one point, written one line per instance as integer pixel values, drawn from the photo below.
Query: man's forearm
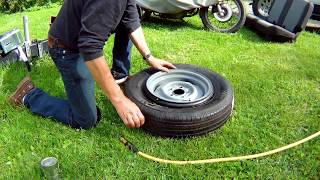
(138, 39)
(126, 109)
(102, 74)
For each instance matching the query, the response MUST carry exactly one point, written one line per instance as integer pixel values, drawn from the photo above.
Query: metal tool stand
(27, 42)
(15, 49)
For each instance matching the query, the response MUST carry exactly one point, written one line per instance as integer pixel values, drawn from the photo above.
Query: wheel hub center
(264, 7)
(180, 87)
(178, 92)
(224, 13)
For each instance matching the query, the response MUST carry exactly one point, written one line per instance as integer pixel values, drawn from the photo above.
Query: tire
(259, 6)
(204, 15)
(168, 121)
(143, 13)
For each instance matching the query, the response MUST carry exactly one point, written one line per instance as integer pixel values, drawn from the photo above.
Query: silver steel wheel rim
(264, 7)
(180, 87)
(227, 16)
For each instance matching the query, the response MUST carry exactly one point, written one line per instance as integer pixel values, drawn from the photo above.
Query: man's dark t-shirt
(85, 25)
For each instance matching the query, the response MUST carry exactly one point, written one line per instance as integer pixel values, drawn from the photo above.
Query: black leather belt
(54, 43)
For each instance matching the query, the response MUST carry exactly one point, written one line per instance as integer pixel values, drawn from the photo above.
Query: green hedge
(20, 5)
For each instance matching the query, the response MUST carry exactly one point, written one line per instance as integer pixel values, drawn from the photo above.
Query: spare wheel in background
(187, 101)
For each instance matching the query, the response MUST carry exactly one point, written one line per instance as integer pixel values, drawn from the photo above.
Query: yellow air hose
(132, 148)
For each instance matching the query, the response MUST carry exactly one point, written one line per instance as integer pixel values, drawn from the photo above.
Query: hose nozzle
(129, 145)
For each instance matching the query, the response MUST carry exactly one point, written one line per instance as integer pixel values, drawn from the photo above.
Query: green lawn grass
(277, 90)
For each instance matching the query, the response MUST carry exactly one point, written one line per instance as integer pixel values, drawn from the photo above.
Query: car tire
(260, 8)
(167, 121)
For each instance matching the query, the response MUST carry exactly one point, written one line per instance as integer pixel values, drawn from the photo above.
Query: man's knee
(89, 121)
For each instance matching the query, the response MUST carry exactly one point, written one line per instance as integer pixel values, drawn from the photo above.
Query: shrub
(20, 5)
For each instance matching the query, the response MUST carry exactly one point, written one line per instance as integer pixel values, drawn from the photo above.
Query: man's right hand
(129, 113)
(127, 110)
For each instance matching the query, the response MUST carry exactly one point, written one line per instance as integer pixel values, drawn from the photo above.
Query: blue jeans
(79, 110)
(121, 53)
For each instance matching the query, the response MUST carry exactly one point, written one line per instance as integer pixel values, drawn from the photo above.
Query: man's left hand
(160, 64)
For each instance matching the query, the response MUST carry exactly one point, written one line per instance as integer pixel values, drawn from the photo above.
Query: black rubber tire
(206, 22)
(182, 122)
(255, 10)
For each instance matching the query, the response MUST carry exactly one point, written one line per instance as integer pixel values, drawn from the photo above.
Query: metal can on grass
(50, 168)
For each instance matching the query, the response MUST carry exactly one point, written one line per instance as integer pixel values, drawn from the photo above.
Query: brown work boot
(24, 87)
